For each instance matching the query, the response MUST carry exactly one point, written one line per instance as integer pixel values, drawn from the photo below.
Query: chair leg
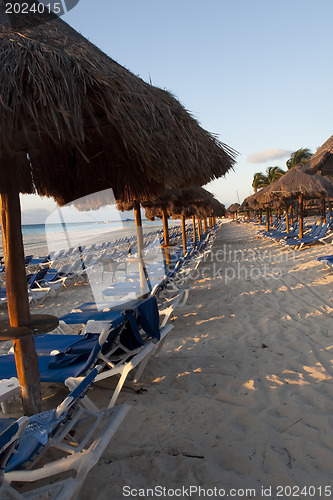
(141, 368)
(120, 384)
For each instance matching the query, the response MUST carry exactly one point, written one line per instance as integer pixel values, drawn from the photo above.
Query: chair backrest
(315, 229)
(42, 426)
(9, 440)
(65, 269)
(27, 259)
(78, 393)
(51, 275)
(323, 231)
(37, 278)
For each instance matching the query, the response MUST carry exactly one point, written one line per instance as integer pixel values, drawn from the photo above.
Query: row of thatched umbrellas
(300, 183)
(73, 122)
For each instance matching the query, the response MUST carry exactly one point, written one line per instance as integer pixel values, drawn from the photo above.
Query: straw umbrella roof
(295, 182)
(217, 208)
(187, 202)
(233, 208)
(247, 202)
(73, 121)
(322, 160)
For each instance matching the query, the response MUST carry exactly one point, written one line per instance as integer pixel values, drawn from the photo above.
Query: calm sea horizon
(39, 239)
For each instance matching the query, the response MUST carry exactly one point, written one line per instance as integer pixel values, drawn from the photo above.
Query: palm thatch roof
(233, 208)
(322, 160)
(295, 182)
(187, 202)
(73, 121)
(258, 199)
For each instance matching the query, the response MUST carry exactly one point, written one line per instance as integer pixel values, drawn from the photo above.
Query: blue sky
(256, 73)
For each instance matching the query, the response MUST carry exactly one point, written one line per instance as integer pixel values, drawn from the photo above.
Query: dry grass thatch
(73, 121)
(233, 208)
(187, 202)
(295, 182)
(322, 160)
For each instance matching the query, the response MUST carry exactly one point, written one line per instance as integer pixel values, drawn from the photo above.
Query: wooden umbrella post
(194, 232)
(139, 238)
(291, 215)
(165, 227)
(205, 225)
(166, 238)
(17, 300)
(199, 230)
(267, 219)
(184, 234)
(300, 215)
(287, 220)
(323, 207)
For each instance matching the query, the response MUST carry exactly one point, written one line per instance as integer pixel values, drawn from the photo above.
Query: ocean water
(69, 227)
(40, 239)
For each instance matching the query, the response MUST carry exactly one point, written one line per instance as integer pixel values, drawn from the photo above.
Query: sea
(40, 239)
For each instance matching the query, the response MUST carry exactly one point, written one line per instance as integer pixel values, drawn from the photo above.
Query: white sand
(241, 395)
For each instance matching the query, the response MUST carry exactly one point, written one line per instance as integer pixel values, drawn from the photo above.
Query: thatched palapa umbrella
(74, 122)
(233, 209)
(322, 160)
(297, 183)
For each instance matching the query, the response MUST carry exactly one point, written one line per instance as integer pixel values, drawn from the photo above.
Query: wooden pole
(165, 227)
(267, 219)
(323, 207)
(139, 239)
(300, 215)
(17, 299)
(287, 220)
(194, 232)
(199, 229)
(205, 225)
(184, 234)
(291, 215)
(166, 238)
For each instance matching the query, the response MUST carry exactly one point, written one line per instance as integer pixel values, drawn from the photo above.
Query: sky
(257, 73)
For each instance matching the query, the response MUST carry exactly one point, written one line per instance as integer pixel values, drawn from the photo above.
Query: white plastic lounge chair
(68, 440)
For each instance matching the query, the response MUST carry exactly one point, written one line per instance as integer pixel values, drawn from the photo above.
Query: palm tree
(302, 155)
(259, 180)
(273, 173)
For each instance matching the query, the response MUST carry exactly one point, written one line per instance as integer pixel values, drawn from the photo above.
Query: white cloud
(268, 154)
(35, 215)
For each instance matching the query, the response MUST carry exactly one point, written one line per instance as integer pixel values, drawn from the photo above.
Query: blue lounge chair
(137, 315)
(63, 365)
(50, 435)
(314, 238)
(326, 259)
(103, 312)
(124, 344)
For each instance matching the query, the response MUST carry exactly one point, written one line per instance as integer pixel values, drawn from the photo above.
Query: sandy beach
(239, 401)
